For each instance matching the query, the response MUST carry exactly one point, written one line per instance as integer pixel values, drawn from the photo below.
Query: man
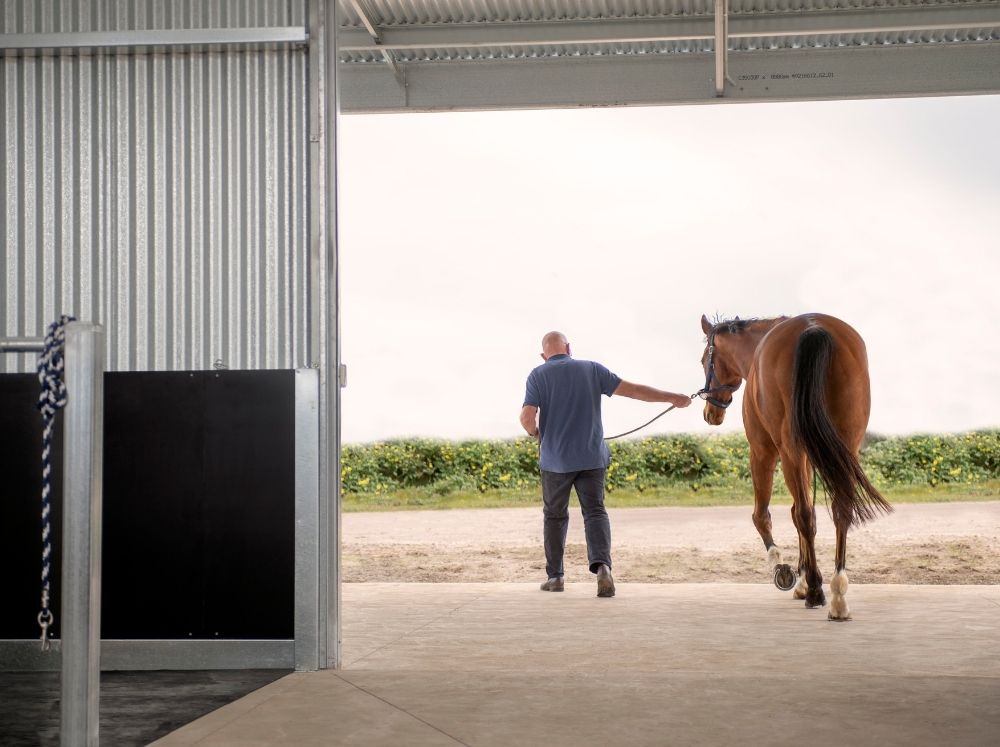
(573, 453)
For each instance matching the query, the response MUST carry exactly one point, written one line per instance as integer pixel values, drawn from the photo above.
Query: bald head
(554, 343)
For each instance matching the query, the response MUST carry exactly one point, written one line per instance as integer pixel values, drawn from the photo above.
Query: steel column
(324, 317)
(307, 602)
(81, 546)
(331, 315)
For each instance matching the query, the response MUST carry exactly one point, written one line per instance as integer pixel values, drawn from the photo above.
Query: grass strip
(738, 494)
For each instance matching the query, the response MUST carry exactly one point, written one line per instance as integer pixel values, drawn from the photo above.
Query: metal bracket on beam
(721, 45)
(368, 20)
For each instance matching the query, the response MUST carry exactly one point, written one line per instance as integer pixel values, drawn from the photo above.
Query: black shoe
(605, 582)
(554, 584)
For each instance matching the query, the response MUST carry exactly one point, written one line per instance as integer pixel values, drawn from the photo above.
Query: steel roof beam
(647, 80)
(614, 31)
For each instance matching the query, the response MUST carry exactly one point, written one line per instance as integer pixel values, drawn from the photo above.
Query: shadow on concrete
(136, 707)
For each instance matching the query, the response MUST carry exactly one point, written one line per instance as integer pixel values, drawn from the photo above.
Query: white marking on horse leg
(801, 588)
(773, 558)
(838, 589)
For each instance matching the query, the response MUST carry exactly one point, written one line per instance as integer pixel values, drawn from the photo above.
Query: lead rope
(51, 399)
(626, 433)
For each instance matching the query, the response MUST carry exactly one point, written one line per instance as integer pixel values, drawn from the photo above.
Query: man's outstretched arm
(529, 420)
(648, 394)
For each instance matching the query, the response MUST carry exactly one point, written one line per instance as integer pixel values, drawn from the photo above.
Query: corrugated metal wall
(163, 195)
(51, 16)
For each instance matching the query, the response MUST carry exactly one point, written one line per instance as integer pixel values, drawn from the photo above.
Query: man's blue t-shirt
(567, 393)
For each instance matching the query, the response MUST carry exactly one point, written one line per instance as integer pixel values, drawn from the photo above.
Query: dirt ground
(936, 543)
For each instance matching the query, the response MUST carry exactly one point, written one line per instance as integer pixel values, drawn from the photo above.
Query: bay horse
(807, 403)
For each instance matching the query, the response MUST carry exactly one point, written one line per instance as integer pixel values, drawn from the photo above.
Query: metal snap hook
(45, 620)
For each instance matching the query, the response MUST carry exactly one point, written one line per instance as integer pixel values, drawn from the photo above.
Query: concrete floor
(136, 707)
(698, 664)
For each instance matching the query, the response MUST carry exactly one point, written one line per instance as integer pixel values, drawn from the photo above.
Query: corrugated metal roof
(500, 16)
(390, 13)
(409, 12)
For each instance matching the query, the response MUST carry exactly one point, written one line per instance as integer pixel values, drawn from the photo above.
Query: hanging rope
(51, 399)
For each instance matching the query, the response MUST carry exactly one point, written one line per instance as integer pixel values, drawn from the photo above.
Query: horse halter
(708, 392)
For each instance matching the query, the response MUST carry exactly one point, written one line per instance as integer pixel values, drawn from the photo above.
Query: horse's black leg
(803, 585)
(804, 515)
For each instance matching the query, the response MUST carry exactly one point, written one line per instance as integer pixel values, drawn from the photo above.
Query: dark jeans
(589, 486)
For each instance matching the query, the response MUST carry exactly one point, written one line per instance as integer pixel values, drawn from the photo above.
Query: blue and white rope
(51, 399)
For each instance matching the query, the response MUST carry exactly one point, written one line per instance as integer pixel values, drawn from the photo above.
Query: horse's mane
(736, 325)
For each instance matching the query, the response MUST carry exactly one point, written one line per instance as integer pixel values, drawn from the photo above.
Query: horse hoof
(784, 577)
(815, 599)
(831, 618)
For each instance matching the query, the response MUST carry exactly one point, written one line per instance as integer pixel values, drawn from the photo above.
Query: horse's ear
(706, 326)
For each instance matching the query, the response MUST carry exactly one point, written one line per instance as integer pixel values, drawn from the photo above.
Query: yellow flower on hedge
(504, 477)
(364, 481)
(955, 472)
(632, 477)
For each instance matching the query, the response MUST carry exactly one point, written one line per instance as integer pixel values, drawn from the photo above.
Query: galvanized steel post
(307, 517)
(80, 625)
(332, 315)
(324, 315)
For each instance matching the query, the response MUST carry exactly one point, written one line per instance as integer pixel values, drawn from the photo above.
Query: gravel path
(918, 543)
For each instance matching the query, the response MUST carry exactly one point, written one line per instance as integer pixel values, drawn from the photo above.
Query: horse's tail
(854, 499)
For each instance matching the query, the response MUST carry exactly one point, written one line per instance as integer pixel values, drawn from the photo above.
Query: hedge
(447, 466)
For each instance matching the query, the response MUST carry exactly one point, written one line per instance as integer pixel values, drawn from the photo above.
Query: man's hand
(680, 401)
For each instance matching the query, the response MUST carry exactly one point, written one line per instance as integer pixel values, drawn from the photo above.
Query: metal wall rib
(64, 16)
(163, 195)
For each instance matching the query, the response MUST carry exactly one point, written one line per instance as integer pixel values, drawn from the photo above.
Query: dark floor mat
(136, 707)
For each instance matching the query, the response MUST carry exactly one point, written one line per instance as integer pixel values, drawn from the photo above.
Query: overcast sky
(466, 236)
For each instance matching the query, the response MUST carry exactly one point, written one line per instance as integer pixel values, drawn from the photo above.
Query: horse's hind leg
(838, 584)
(795, 470)
(803, 585)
